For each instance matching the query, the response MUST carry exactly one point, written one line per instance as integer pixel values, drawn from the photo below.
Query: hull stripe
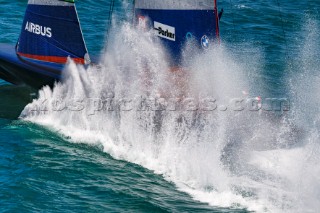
(53, 59)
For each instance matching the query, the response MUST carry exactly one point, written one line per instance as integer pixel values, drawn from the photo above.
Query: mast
(217, 20)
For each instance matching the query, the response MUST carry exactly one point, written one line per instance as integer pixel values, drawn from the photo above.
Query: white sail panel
(50, 2)
(175, 4)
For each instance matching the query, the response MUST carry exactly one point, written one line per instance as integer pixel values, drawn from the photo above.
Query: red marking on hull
(53, 59)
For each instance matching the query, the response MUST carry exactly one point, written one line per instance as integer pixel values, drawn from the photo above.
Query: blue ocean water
(61, 162)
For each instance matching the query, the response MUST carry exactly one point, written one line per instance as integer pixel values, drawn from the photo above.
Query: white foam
(225, 159)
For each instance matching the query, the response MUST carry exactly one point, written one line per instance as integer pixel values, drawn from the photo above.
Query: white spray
(223, 157)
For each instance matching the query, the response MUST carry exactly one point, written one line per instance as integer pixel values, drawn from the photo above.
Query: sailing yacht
(51, 33)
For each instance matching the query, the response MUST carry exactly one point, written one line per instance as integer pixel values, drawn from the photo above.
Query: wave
(240, 159)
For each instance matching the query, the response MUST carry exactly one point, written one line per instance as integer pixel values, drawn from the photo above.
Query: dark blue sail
(51, 33)
(179, 21)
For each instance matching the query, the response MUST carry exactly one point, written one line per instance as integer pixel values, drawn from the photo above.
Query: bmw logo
(205, 42)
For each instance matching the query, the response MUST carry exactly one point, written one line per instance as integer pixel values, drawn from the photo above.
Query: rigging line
(282, 26)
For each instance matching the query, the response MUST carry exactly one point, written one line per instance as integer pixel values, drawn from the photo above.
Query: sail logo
(38, 29)
(165, 31)
(205, 42)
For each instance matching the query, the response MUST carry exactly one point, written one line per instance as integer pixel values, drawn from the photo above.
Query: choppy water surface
(221, 161)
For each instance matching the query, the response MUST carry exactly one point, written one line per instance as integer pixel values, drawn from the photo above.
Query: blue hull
(19, 71)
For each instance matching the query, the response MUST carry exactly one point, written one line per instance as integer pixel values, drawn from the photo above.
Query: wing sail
(177, 21)
(51, 32)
